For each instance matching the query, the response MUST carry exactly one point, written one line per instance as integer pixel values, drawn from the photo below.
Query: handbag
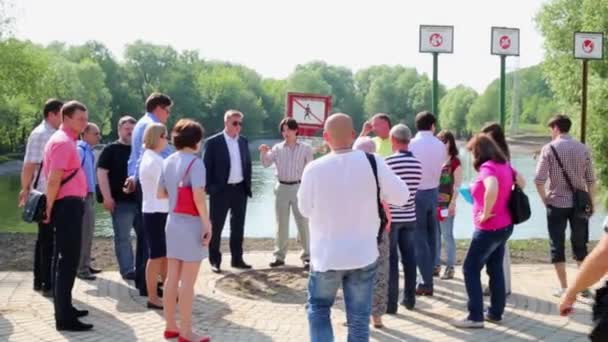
(381, 213)
(35, 205)
(583, 205)
(185, 196)
(519, 204)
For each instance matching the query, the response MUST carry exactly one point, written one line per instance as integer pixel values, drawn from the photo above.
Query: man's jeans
(357, 286)
(402, 242)
(124, 217)
(427, 233)
(487, 248)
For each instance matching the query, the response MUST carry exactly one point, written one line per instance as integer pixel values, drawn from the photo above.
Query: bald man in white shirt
(338, 194)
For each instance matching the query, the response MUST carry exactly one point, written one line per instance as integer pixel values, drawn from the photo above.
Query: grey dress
(183, 232)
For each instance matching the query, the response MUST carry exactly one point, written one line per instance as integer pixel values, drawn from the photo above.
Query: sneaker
(491, 319)
(437, 271)
(586, 293)
(486, 291)
(129, 276)
(277, 263)
(559, 292)
(448, 273)
(466, 323)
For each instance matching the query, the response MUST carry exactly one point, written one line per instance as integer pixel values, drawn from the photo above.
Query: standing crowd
(391, 198)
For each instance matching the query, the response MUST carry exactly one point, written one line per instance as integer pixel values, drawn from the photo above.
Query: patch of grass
(10, 156)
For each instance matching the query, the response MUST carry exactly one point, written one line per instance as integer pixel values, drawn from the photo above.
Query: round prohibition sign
(588, 46)
(504, 42)
(436, 40)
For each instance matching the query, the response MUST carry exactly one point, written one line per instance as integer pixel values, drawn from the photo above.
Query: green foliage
(454, 107)
(557, 20)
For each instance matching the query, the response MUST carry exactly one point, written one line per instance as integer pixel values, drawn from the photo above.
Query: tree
(454, 108)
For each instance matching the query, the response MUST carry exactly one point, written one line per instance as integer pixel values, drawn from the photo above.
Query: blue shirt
(137, 142)
(87, 162)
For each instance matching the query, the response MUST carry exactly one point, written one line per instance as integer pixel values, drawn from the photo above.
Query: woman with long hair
(154, 209)
(188, 229)
(449, 183)
(495, 131)
(490, 191)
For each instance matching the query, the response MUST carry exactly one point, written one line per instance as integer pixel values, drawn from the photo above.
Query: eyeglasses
(237, 123)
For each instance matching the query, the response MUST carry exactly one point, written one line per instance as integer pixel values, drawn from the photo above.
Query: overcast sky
(273, 36)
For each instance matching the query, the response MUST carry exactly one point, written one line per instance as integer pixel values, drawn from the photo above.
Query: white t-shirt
(338, 195)
(150, 170)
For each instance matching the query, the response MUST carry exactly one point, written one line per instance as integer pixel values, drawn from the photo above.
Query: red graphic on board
(436, 40)
(588, 46)
(505, 42)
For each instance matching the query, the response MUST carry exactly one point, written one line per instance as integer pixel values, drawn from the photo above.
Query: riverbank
(16, 250)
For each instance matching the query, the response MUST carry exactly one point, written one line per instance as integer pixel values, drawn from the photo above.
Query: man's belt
(290, 183)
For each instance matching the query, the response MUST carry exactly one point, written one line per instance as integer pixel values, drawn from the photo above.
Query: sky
(273, 36)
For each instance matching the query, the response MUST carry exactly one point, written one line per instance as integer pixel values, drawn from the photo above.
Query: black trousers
(141, 248)
(234, 199)
(43, 256)
(557, 220)
(67, 218)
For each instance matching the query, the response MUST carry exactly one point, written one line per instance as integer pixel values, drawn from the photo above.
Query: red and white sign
(589, 45)
(505, 41)
(309, 110)
(436, 39)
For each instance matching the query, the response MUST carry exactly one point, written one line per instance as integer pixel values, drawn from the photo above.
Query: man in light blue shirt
(158, 109)
(89, 138)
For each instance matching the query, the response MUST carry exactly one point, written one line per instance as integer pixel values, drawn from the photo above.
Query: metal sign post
(505, 42)
(436, 39)
(587, 45)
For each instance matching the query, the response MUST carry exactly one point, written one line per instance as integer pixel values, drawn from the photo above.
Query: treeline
(204, 89)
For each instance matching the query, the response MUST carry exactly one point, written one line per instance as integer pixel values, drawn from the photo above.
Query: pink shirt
(504, 175)
(60, 154)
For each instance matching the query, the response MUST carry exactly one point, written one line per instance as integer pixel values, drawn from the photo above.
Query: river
(260, 220)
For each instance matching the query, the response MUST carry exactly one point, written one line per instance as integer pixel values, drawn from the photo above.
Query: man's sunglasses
(237, 123)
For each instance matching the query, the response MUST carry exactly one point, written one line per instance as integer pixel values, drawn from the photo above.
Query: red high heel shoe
(203, 339)
(171, 334)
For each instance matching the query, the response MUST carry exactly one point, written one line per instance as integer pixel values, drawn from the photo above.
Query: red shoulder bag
(185, 197)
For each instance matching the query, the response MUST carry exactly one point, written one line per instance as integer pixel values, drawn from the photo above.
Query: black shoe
(241, 265)
(86, 276)
(74, 325)
(151, 305)
(143, 292)
(306, 265)
(48, 293)
(129, 276)
(391, 310)
(215, 268)
(37, 287)
(409, 304)
(94, 270)
(80, 313)
(277, 263)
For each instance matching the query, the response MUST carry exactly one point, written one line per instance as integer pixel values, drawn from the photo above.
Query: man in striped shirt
(576, 160)
(403, 225)
(290, 158)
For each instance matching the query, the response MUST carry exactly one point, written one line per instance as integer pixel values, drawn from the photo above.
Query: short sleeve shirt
(114, 158)
(60, 154)
(34, 150)
(504, 176)
(174, 172)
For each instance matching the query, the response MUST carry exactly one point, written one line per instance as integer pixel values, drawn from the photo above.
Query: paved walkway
(119, 314)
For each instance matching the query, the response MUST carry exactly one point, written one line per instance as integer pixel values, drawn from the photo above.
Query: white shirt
(338, 195)
(236, 167)
(431, 153)
(150, 170)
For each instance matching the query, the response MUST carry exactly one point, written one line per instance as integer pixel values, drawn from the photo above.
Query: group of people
(390, 198)
(415, 182)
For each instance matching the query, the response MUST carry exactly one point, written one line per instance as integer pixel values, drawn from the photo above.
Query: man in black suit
(228, 163)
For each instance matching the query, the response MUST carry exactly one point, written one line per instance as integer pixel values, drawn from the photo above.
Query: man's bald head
(339, 131)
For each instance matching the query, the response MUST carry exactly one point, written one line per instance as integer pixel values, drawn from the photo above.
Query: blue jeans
(357, 285)
(402, 242)
(124, 217)
(447, 235)
(487, 248)
(426, 235)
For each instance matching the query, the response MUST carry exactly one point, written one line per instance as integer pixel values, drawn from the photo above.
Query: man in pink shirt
(65, 193)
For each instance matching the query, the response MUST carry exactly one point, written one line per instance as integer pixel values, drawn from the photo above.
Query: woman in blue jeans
(491, 191)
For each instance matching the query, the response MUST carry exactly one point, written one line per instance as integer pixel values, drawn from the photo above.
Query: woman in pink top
(491, 191)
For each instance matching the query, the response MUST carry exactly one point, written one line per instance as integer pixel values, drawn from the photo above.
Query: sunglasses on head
(237, 123)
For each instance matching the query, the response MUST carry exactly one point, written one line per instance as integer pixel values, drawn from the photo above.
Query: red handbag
(185, 197)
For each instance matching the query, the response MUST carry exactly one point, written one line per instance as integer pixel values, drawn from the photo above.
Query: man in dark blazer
(228, 163)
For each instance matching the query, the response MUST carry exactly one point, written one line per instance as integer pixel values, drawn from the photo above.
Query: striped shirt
(34, 150)
(290, 161)
(577, 161)
(409, 169)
